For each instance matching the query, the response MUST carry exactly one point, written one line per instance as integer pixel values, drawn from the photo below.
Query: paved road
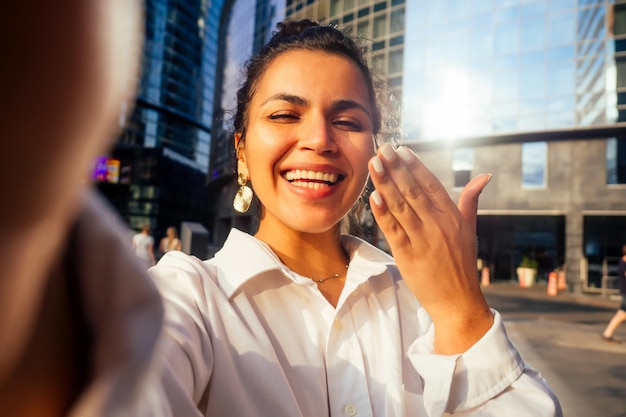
(560, 336)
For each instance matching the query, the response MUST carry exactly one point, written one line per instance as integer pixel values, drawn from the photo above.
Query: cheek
(262, 158)
(362, 154)
(267, 145)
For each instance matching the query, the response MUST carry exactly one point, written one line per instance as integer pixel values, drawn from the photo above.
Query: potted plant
(527, 271)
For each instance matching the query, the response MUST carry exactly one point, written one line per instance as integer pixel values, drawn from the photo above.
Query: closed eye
(349, 125)
(283, 116)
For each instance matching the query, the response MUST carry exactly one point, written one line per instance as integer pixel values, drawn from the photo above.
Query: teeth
(300, 174)
(311, 185)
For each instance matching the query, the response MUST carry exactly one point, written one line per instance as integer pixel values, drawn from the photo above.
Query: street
(560, 336)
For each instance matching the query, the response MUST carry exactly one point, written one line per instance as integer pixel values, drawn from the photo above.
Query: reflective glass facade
(504, 67)
(164, 149)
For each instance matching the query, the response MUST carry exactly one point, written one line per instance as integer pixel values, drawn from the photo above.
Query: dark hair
(309, 35)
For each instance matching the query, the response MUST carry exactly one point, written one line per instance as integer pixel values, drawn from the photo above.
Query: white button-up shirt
(245, 336)
(122, 312)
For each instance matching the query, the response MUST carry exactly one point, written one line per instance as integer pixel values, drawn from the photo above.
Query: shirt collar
(243, 257)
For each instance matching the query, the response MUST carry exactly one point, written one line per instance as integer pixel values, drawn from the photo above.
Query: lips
(311, 179)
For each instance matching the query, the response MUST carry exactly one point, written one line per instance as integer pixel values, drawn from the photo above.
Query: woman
(170, 241)
(301, 321)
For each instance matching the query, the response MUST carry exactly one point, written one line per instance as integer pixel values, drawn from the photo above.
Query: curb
(539, 292)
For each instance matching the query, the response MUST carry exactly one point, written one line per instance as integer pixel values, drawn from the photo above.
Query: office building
(530, 91)
(162, 155)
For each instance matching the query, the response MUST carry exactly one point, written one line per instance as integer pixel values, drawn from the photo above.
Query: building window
(462, 166)
(620, 62)
(534, 157)
(397, 21)
(380, 26)
(363, 29)
(619, 25)
(395, 61)
(616, 161)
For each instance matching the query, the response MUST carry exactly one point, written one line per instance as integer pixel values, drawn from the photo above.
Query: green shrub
(528, 262)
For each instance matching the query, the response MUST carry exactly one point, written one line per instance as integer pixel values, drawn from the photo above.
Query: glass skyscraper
(164, 148)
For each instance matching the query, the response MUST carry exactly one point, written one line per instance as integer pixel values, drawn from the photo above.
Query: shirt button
(350, 410)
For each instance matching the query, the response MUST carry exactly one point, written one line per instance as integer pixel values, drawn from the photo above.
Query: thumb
(468, 200)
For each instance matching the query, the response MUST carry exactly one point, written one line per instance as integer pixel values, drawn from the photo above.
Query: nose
(317, 135)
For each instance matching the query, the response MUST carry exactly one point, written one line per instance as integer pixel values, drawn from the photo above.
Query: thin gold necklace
(337, 275)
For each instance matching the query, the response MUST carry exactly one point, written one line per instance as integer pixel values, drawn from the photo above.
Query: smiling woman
(297, 132)
(304, 321)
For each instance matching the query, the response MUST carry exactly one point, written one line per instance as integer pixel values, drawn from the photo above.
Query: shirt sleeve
(489, 379)
(186, 353)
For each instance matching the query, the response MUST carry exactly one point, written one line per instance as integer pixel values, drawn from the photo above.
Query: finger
(415, 182)
(468, 200)
(391, 227)
(397, 186)
(394, 181)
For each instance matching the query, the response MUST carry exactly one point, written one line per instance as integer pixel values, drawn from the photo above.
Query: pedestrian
(298, 320)
(170, 241)
(620, 315)
(143, 244)
(79, 316)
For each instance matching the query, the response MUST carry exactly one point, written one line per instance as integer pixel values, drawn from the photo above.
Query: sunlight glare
(448, 118)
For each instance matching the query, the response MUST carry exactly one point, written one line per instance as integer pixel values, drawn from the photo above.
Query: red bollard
(552, 286)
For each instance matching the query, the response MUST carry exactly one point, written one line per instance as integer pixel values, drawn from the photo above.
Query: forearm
(459, 328)
(27, 254)
(51, 366)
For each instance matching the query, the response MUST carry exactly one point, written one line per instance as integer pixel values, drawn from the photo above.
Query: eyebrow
(301, 101)
(290, 98)
(350, 104)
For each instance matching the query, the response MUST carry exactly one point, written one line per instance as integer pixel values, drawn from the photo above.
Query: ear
(239, 146)
(242, 166)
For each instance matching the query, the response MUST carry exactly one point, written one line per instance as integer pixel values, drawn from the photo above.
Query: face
(308, 140)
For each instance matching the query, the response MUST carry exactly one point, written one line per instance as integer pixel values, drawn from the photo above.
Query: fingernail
(377, 198)
(378, 165)
(404, 153)
(489, 176)
(387, 151)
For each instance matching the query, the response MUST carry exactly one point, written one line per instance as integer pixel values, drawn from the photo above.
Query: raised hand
(434, 244)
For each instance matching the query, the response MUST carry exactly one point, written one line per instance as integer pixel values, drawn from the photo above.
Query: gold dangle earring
(243, 197)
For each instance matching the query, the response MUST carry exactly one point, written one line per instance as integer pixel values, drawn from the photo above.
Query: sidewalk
(539, 291)
(537, 337)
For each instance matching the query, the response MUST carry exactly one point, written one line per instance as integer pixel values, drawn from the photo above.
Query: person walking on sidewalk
(620, 315)
(143, 244)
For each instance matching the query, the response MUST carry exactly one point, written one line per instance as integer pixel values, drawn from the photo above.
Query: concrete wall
(576, 186)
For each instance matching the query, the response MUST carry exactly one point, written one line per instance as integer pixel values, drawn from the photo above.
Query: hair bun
(291, 27)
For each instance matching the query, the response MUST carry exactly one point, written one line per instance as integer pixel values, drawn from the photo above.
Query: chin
(317, 227)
